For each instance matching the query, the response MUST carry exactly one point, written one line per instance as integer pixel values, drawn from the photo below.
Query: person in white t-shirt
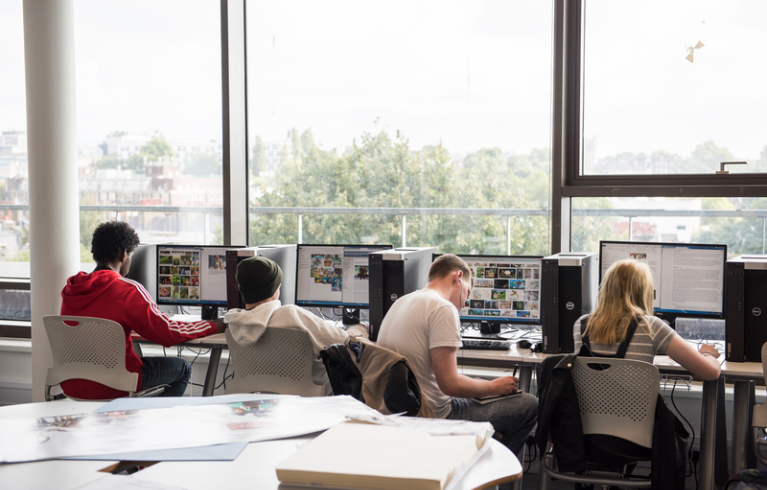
(424, 327)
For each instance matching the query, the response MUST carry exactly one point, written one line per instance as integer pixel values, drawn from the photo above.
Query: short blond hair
(447, 264)
(626, 293)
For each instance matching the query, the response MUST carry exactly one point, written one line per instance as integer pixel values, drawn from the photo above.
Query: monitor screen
(334, 275)
(191, 275)
(688, 278)
(504, 288)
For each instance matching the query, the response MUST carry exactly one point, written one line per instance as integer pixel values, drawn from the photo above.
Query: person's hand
(220, 325)
(710, 349)
(505, 385)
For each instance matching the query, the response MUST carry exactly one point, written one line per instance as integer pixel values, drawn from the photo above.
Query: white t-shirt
(415, 324)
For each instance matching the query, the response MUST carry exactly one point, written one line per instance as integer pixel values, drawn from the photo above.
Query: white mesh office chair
(616, 401)
(280, 362)
(92, 349)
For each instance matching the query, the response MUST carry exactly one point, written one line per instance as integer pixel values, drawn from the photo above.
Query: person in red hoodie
(106, 293)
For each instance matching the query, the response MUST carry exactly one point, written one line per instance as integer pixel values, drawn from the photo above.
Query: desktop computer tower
(568, 291)
(745, 292)
(393, 274)
(284, 255)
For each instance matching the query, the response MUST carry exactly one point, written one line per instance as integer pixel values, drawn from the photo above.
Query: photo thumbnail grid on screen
(503, 288)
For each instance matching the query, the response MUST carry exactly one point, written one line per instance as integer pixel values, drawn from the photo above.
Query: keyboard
(486, 344)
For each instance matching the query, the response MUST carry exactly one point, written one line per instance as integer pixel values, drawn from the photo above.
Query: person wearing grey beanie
(259, 280)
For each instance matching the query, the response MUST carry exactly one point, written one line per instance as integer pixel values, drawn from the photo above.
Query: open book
(384, 457)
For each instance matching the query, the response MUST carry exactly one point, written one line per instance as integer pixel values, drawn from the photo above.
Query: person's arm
(702, 364)
(143, 316)
(359, 330)
(452, 383)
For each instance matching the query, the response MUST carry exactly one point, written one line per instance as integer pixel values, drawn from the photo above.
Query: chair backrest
(619, 399)
(92, 349)
(280, 362)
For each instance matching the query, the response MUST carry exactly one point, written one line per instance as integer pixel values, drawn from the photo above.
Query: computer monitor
(504, 289)
(143, 268)
(192, 275)
(335, 276)
(688, 278)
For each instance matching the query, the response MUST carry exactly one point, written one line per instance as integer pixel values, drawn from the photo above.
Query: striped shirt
(643, 346)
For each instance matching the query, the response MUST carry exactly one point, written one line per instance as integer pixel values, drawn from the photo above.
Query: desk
(45, 475)
(254, 468)
(713, 425)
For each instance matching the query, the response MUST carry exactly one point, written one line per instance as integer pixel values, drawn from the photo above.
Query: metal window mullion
(234, 110)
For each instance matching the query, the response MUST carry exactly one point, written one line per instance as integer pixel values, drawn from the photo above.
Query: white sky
(642, 94)
(469, 74)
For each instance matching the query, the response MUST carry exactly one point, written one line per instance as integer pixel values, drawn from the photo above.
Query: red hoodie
(106, 294)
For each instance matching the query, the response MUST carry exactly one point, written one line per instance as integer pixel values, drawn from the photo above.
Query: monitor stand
(209, 312)
(351, 316)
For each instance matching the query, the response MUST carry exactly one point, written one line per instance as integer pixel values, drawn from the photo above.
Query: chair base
(592, 477)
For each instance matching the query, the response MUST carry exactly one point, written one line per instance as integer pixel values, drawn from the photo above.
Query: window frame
(576, 184)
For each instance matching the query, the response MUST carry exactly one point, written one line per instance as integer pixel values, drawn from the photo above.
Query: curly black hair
(112, 238)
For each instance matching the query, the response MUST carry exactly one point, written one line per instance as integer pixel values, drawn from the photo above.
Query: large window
(673, 87)
(149, 118)
(419, 123)
(14, 191)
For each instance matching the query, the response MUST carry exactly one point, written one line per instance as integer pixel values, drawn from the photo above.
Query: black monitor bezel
(670, 315)
(178, 302)
(364, 306)
(503, 320)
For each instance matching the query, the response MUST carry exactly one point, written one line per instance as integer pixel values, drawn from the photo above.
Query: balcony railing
(630, 214)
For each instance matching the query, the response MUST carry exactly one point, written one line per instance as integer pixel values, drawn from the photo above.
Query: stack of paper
(384, 457)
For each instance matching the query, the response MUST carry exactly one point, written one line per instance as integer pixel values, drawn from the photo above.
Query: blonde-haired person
(626, 293)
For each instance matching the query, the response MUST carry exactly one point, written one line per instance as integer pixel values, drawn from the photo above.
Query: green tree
(707, 157)
(258, 162)
(89, 220)
(588, 230)
(383, 172)
(295, 140)
(156, 148)
(741, 235)
(107, 161)
(307, 140)
(135, 163)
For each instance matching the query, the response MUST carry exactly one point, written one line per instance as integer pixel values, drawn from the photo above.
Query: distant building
(13, 154)
(276, 153)
(125, 145)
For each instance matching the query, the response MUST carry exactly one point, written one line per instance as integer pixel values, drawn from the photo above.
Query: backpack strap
(624, 344)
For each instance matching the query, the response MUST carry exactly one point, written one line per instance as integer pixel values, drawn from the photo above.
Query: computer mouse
(524, 344)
